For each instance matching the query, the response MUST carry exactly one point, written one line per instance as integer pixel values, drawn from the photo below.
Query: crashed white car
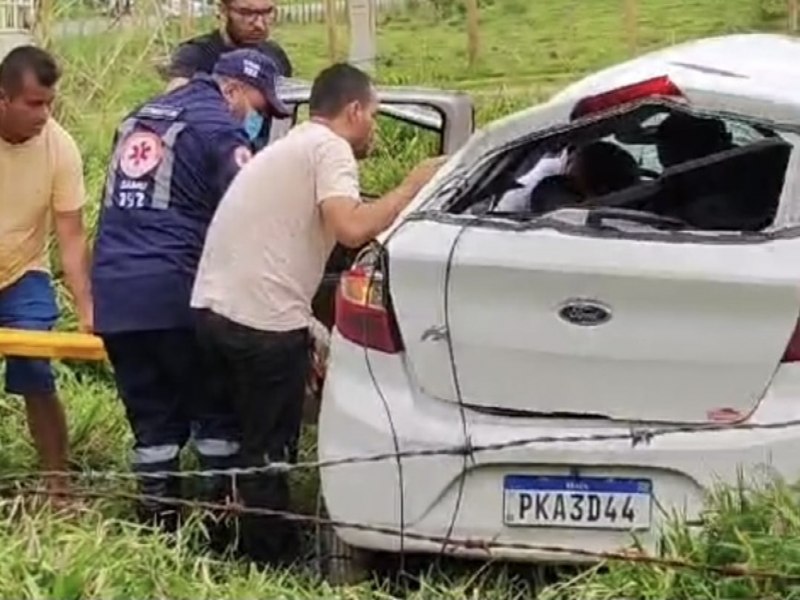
(673, 300)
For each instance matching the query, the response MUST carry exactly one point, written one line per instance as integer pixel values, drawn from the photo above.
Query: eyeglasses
(252, 14)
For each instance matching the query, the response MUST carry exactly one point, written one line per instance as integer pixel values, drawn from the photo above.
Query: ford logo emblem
(586, 313)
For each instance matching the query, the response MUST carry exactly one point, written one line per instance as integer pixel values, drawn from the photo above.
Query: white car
(670, 302)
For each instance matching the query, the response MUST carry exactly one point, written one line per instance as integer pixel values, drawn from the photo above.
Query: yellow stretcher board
(51, 344)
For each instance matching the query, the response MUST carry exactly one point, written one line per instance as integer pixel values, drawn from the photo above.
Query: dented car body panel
(605, 323)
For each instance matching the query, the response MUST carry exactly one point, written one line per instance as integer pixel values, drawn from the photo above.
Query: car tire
(338, 562)
(341, 563)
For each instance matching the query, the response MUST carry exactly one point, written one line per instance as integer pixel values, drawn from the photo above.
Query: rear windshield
(709, 172)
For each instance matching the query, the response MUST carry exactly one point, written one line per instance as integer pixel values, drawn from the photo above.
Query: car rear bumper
(461, 496)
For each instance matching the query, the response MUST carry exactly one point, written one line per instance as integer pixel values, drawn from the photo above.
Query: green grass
(756, 530)
(528, 50)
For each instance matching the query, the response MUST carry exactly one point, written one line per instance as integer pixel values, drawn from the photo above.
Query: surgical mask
(253, 123)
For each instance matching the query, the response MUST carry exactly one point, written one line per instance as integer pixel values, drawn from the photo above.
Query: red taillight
(651, 88)
(792, 353)
(363, 315)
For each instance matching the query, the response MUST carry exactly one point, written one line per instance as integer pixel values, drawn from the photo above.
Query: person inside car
(594, 169)
(682, 137)
(516, 199)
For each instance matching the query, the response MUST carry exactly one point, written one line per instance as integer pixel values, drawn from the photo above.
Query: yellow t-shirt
(37, 178)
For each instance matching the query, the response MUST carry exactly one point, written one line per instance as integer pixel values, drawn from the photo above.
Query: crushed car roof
(762, 63)
(748, 74)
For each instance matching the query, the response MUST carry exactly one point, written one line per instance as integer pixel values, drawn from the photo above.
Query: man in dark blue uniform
(172, 162)
(244, 24)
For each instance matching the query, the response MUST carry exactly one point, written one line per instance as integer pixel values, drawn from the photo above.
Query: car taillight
(651, 88)
(792, 353)
(363, 312)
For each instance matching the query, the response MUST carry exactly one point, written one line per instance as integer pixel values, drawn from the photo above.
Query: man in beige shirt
(264, 257)
(41, 184)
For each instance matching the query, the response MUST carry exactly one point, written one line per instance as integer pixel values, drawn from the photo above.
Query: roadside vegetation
(529, 49)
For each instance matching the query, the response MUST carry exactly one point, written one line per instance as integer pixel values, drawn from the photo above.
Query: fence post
(631, 25)
(473, 31)
(793, 11)
(363, 34)
(330, 22)
(43, 19)
(186, 24)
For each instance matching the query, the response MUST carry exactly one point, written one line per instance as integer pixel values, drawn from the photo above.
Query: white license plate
(583, 502)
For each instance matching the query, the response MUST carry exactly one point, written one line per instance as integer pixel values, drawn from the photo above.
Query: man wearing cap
(244, 24)
(173, 159)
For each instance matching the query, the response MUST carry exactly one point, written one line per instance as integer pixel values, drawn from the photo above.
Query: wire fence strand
(449, 542)
(637, 437)
(452, 543)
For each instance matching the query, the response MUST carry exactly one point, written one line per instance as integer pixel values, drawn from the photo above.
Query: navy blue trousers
(172, 392)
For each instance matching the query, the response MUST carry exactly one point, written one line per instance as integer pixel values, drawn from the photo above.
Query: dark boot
(217, 489)
(267, 540)
(151, 511)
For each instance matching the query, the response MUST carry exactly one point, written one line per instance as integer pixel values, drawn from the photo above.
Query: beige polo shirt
(266, 248)
(38, 178)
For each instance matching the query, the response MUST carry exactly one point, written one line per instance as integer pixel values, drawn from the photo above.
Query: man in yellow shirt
(41, 186)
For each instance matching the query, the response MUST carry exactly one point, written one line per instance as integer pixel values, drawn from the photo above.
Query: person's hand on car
(424, 172)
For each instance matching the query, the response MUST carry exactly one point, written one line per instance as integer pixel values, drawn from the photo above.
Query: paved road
(311, 12)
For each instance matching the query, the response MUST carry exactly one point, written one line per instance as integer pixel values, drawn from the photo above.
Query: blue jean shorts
(29, 303)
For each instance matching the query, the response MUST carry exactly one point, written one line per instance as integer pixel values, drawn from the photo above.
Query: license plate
(583, 502)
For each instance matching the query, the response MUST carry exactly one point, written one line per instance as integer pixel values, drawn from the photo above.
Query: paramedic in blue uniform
(172, 162)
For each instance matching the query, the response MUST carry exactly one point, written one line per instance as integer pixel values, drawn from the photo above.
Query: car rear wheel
(338, 562)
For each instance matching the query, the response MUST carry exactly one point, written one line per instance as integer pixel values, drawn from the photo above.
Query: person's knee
(32, 379)
(152, 399)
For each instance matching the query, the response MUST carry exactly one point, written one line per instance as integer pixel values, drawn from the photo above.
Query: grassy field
(529, 49)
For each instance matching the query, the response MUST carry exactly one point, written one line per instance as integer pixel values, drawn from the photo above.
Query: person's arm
(353, 222)
(68, 199)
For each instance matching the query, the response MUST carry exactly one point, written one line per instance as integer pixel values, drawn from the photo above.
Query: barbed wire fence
(10, 482)
(467, 451)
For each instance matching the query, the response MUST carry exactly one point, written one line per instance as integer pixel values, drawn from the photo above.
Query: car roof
(746, 74)
(757, 64)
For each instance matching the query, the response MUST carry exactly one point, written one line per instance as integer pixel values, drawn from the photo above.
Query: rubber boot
(151, 511)
(217, 489)
(267, 540)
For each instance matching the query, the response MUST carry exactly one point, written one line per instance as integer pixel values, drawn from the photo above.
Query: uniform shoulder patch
(141, 152)
(241, 155)
(160, 112)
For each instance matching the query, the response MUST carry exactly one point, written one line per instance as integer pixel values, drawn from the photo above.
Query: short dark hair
(606, 167)
(337, 86)
(23, 60)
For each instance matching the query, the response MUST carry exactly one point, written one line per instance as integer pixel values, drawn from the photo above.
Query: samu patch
(141, 153)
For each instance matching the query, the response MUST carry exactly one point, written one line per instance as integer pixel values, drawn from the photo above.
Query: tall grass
(529, 48)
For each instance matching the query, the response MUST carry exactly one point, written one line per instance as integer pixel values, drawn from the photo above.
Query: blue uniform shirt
(173, 159)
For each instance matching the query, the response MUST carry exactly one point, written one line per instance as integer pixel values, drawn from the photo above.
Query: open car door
(413, 124)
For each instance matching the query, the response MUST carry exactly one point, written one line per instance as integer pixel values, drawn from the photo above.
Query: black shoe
(268, 539)
(217, 489)
(159, 508)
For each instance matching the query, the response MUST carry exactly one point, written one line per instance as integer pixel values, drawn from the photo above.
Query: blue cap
(257, 70)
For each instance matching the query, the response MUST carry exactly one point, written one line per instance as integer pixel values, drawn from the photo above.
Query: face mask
(253, 123)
